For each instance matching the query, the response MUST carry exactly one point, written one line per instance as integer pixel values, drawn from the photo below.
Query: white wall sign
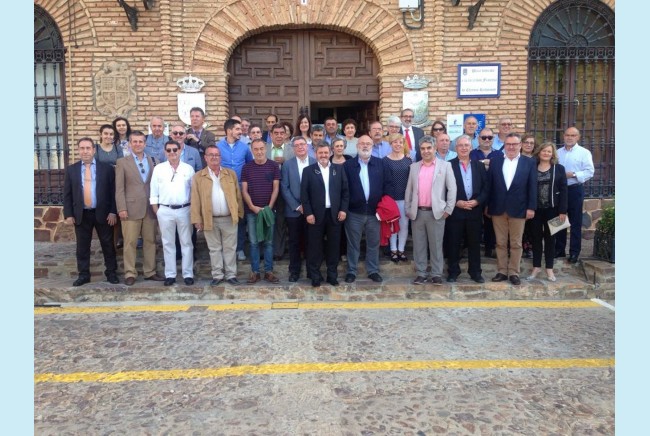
(479, 80)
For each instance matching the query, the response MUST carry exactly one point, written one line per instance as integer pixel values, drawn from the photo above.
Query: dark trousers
(84, 233)
(539, 232)
(315, 235)
(575, 199)
(280, 230)
(457, 231)
(489, 238)
(297, 227)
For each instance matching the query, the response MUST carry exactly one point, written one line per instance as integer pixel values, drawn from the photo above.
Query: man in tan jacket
(216, 209)
(132, 182)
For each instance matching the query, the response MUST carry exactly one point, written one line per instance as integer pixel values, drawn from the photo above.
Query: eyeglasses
(506, 124)
(438, 129)
(171, 150)
(532, 142)
(212, 155)
(141, 167)
(487, 138)
(178, 133)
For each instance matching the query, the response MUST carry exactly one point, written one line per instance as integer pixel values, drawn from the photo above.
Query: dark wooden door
(281, 72)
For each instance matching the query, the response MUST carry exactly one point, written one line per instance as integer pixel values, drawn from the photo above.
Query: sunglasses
(438, 129)
(171, 150)
(487, 138)
(178, 133)
(141, 167)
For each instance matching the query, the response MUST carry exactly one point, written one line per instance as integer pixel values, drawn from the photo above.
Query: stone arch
(519, 18)
(72, 17)
(241, 19)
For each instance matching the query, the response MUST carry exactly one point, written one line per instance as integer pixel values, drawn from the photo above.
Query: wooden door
(283, 71)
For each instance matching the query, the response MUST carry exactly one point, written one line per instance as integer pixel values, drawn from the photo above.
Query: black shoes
(419, 280)
(170, 281)
(333, 281)
(315, 283)
(294, 277)
(515, 280)
(81, 281)
(375, 277)
(233, 281)
(188, 281)
(500, 278)
(436, 280)
(350, 278)
(216, 282)
(478, 279)
(112, 278)
(451, 279)
(573, 259)
(489, 253)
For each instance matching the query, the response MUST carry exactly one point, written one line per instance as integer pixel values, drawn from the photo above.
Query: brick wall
(198, 36)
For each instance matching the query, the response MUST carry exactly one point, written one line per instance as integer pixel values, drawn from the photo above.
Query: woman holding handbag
(551, 202)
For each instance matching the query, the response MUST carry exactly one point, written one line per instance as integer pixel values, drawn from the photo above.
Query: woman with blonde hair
(552, 195)
(397, 165)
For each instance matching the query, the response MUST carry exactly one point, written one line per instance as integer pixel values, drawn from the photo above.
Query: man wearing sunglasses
(171, 185)
(505, 127)
(132, 184)
(189, 155)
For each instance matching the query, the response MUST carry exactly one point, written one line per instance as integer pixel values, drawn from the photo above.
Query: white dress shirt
(169, 186)
(577, 160)
(325, 172)
(509, 169)
(219, 203)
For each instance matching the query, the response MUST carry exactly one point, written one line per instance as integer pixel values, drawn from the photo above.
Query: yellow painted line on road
(303, 368)
(353, 305)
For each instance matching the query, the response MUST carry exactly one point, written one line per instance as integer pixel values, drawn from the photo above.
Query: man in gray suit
(428, 213)
(132, 180)
(293, 212)
(279, 152)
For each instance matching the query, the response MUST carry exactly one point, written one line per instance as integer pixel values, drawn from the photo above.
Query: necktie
(408, 138)
(88, 180)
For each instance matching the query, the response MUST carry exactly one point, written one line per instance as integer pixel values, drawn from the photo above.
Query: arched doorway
(571, 82)
(50, 143)
(295, 71)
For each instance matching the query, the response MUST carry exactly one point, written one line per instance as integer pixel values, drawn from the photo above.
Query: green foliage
(606, 223)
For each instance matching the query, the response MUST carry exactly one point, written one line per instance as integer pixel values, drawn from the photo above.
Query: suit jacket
(480, 190)
(559, 189)
(522, 194)
(131, 193)
(73, 196)
(206, 139)
(443, 190)
(290, 186)
(358, 203)
(287, 152)
(312, 192)
(417, 135)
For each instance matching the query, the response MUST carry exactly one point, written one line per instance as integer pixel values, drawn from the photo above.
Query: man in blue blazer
(292, 172)
(89, 203)
(324, 195)
(512, 182)
(365, 175)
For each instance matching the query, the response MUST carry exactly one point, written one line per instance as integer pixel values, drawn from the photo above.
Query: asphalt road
(420, 368)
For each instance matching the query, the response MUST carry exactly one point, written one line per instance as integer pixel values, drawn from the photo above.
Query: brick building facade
(175, 38)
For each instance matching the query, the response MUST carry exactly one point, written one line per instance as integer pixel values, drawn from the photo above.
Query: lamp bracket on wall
(472, 12)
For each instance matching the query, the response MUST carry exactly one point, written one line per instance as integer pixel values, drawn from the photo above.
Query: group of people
(317, 193)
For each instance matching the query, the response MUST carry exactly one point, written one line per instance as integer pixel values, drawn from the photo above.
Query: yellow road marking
(582, 304)
(302, 368)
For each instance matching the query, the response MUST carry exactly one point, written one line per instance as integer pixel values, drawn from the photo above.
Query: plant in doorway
(604, 236)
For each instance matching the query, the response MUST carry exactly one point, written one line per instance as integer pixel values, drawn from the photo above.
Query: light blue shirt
(234, 157)
(467, 179)
(450, 155)
(155, 147)
(142, 165)
(93, 183)
(381, 150)
(365, 179)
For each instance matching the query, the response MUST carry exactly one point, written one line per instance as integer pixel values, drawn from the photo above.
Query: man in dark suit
(197, 136)
(324, 196)
(465, 222)
(365, 175)
(512, 182)
(412, 134)
(294, 216)
(89, 203)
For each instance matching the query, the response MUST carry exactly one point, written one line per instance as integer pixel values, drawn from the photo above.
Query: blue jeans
(251, 222)
(355, 225)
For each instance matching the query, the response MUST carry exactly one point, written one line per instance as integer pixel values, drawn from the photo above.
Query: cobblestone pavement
(559, 396)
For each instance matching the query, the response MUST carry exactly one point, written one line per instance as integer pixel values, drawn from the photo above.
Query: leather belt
(424, 208)
(176, 206)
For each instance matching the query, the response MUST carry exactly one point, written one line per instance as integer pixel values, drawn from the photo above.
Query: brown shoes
(129, 281)
(254, 278)
(155, 278)
(271, 278)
